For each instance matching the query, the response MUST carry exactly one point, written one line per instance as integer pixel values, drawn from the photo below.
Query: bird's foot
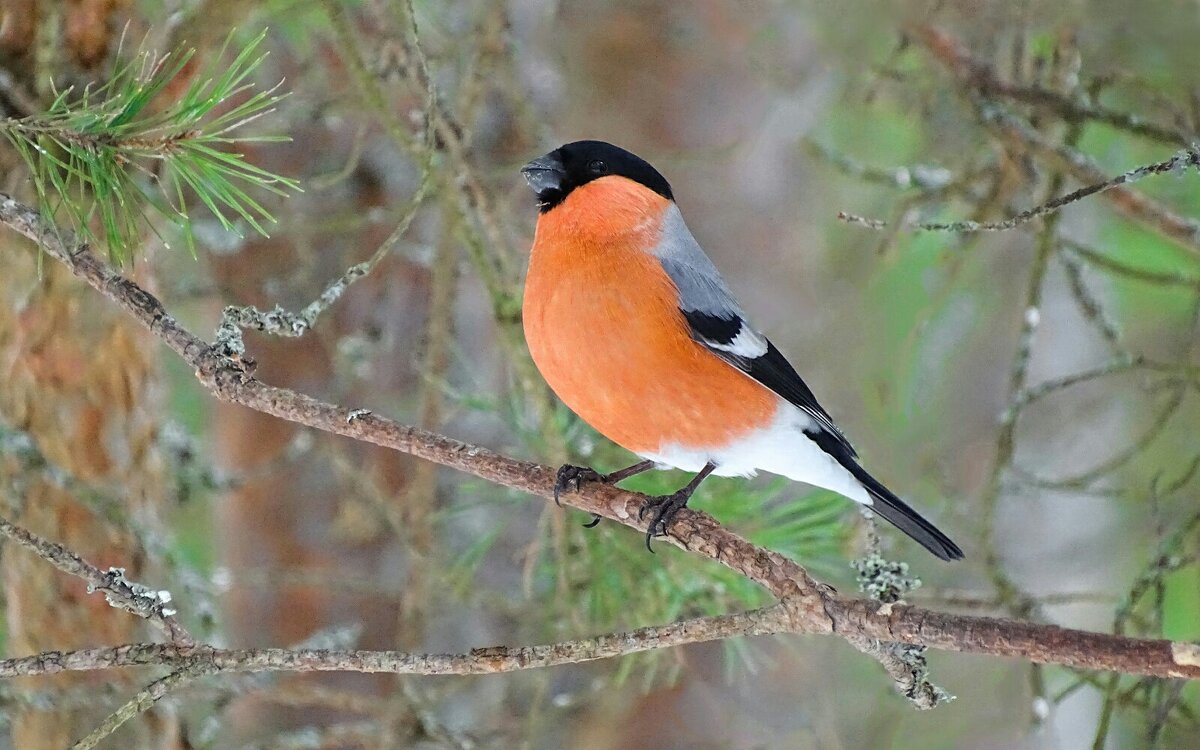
(570, 478)
(663, 508)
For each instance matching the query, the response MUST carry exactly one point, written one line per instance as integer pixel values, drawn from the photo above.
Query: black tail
(886, 504)
(896, 512)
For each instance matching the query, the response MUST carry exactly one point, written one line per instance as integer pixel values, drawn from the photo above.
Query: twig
(1089, 304)
(804, 604)
(1016, 600)
(145, 698)
(1077, 110)
(887, 582)
(493, 259)
(1063, 157)
(1031, 394)
(330, 179)
(429, 722)
(1162, 712)
(1184, 231)
(1183, 716)
(1189, 157)
(1105, 468)
(134, 598)
(923, 177)
(113, 508)
(488, 660)
(281, 322)
(1165, 560)
(969, 600)
(421, 493)
(1119, 268)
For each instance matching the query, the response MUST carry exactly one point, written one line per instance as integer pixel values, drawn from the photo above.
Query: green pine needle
(115, 155)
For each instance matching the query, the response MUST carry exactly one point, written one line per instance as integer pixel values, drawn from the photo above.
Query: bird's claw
(664, 509)
(571, 478)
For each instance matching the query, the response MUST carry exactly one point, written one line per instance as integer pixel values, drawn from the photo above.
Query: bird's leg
(665, 507)
(571, 478)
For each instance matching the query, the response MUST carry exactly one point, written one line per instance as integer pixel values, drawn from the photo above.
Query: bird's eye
(597, 166)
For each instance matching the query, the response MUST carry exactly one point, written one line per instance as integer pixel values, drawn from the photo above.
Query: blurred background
(1033, 390)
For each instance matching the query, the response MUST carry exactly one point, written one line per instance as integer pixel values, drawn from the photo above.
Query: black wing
(734, 341)
(731, 339)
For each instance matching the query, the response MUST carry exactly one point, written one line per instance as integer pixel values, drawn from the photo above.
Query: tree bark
(80, 381)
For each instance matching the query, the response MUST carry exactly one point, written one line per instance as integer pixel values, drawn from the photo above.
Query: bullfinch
(635, 330)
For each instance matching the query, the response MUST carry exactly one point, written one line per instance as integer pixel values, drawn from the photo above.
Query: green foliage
(1181, 603)
(116, 154)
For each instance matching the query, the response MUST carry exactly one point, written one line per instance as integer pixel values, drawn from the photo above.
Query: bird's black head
(553, 176)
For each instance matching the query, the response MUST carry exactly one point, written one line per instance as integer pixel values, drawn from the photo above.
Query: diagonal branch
(143, 701)
(807, 606)
(980, 81)
(1189, 157)
(980, 76)
(119, 591)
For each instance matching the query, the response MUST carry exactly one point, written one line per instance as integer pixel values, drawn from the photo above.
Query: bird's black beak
(545, 175)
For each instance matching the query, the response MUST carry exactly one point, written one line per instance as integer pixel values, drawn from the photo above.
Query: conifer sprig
(110, 157)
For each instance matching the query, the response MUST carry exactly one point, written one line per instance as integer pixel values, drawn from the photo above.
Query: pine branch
(805, 605)
(122, 152)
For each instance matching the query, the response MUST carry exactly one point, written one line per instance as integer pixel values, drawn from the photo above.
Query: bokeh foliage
(910, 339)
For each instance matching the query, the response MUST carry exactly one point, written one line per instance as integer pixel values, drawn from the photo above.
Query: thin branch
(923, 177)
(281, 322)
(1077, 110)
(805, 606)
(141, 702)
(149, 604)
(421, 495)
(1120, 268)
(1107, 467)
(888, 582)
(1089, 303)
(1063, 157)
(487, 660)
(971, 600)
(1017, 600)
(1185, 231)
(1189, 157)
(855, 619)
(1031, 394)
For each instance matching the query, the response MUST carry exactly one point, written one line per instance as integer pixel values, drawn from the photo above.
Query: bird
(634, 329)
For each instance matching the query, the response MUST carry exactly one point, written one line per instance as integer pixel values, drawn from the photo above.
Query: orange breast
(604, 328)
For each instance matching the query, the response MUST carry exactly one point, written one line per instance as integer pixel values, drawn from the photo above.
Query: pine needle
(119, 154)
